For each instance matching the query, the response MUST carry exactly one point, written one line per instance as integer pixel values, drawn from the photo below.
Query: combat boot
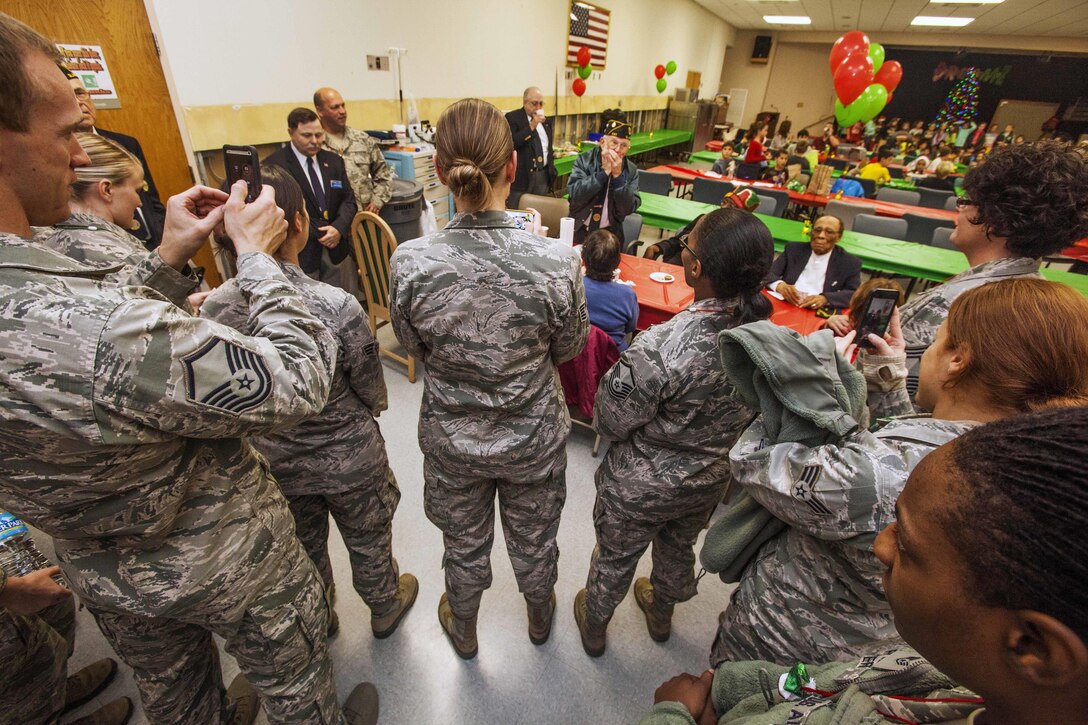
(462, 632)
(540, 619)
(386, 623)
(361, 707)
(85, 685)
(115, 713)
(243, 702)
(658, 616)
(593, 634)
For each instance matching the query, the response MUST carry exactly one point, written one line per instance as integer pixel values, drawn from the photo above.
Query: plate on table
(662, 277)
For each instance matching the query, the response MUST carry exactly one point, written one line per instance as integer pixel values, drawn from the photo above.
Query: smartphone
(875, 315)
(242, 163)
(522, 219)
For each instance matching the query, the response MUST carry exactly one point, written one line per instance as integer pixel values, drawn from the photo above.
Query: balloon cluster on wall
(863, 80)
(584, 71)
(660, 71)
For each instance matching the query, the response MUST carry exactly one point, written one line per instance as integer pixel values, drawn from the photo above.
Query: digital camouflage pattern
(668, 407)
(34, 653)
(121, 430)
(814, 593)
(335, 461)
(88, 238)
(921, 317)
(491, 310)
(370, 175)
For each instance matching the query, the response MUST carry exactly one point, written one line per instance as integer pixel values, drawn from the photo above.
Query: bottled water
(18, 554)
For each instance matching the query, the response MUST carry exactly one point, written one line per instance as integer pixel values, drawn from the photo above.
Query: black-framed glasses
(963, 201)
(684, 243)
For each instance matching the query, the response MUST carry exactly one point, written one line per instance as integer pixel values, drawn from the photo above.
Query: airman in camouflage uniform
(921, 317)
(491, 310)
(370, 175)
(668, 406)
(121, 440)
(336, 461)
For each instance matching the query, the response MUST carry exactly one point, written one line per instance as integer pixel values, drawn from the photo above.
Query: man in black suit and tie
(533, 136)
(330, 202)
(817, 274)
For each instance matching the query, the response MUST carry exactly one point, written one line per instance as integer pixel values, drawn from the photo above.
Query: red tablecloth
(658, 302)
(1078, 251)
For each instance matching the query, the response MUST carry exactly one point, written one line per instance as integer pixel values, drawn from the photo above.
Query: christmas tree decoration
(962, 101)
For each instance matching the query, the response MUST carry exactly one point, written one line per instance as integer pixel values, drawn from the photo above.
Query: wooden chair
(374, 243)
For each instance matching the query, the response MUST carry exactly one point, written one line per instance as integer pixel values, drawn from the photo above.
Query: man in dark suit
(817, 274)
(330, 202)
(533, 138)
(152, 213)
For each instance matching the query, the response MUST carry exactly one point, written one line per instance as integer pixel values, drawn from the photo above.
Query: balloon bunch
(863, 81)
(659, 73)
(584, 71)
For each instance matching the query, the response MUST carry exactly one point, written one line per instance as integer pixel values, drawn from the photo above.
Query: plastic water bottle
(18, 554)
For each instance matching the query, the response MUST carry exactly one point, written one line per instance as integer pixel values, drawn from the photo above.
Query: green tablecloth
(713, 156)
(888, 255)
(640, 144)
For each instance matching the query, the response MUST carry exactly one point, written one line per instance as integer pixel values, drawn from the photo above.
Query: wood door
(122, 29)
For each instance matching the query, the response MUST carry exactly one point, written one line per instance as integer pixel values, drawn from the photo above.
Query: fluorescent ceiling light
(941, 22)
(787, 19)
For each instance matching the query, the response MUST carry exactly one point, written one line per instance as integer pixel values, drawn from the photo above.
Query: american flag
(589, 28)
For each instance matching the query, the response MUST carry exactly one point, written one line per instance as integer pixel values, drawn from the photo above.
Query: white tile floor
(420, 678)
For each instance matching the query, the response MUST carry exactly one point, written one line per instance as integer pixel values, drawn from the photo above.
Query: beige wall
(239, 66)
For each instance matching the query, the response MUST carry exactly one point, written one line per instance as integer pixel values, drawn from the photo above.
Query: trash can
(403, 210)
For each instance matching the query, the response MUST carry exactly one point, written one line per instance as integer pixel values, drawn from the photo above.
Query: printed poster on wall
(89, 63)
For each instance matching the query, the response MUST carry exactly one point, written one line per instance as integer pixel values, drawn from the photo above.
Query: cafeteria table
(712, 156)
(640, 144)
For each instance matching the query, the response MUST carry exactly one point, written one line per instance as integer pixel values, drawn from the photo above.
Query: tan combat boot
(658, 616)
(85, 685)
(361, 707)
(115, 713)
(462, 632)
(540, 620)
(243, 702)
(386, 623)
(593, 634)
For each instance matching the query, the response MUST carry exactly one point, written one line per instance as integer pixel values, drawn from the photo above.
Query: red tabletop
(658, 302)
(1078, 251)
(713, 146)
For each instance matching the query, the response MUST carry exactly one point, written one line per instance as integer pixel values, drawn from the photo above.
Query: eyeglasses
(964, 201)
(684, 243)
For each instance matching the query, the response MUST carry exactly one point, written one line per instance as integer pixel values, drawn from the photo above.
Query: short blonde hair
(109, 162)
(944, 169)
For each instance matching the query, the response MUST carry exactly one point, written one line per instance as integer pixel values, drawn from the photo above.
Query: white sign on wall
(89, 63)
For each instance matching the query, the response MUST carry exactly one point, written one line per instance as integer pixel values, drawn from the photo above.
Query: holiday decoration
(583, 56)
(863, 80)
(670, 67)
(578, 87)
(661, 85)
(659, 71)
(962, 101)
(585, 71)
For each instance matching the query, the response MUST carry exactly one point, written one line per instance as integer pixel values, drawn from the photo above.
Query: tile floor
(420, 678)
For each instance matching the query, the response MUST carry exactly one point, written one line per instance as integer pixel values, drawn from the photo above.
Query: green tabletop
(710, 156)
(713, 156)
(888, 255)
(640, 144)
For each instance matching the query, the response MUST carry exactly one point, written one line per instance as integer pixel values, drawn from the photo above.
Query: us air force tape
(583, 312)
(370, 349)
(226, 376)
(621, 381)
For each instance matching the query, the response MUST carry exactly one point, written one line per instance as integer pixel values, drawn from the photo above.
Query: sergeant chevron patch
(226, 376)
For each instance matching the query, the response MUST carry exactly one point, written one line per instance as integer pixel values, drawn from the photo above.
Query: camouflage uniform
(370, 175)
(813, 593)
(121, 424)
(491, 311)
(336, 461)
(91, 239)
(669, 408)
(922, 316)
(34, 651)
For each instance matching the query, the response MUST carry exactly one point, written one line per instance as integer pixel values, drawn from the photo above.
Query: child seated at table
(877, 169)
(612, 305)
(779, 173)
(726, 165)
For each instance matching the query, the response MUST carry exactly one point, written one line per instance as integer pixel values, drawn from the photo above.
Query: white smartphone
(522, 219)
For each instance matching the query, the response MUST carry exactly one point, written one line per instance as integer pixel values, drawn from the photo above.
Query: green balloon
(873, 100)
(661, 84)
(670, 67)
(584, 71)
(876, 54)
(847, 115)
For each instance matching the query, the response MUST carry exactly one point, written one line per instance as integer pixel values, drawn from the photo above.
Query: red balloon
(579, 87)
(853, 76)
(659, 71)
(853, 42)
(584, 57)
(889, 75)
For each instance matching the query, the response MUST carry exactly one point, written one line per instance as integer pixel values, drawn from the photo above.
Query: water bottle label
(10, 527)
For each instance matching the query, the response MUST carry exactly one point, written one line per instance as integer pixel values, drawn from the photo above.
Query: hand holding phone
(876, 315)
(242, 163)
(523, 218)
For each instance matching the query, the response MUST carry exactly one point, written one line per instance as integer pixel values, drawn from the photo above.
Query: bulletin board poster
(89, 63)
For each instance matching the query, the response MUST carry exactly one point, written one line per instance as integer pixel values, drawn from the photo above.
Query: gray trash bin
(403, 210)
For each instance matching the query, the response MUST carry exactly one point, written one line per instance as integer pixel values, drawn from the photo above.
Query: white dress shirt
(811, 281)
(540, 132)
(303, 159)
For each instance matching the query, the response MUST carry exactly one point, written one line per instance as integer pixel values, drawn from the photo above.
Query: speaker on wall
(761, 50)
